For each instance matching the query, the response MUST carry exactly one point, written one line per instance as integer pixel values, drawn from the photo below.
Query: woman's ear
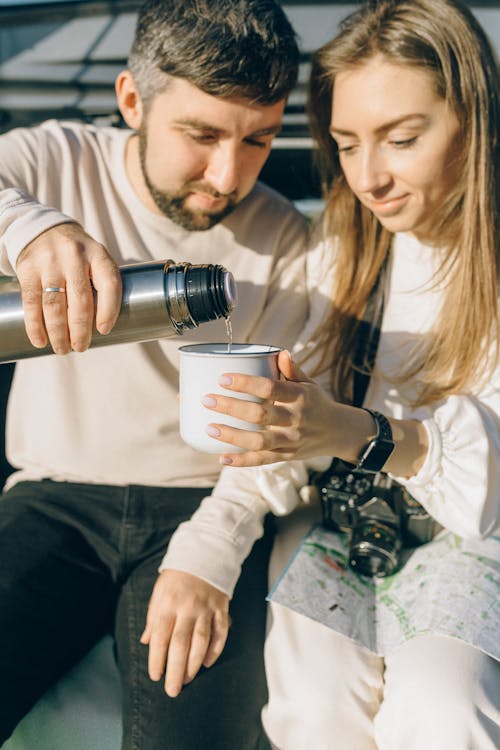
(129, 100)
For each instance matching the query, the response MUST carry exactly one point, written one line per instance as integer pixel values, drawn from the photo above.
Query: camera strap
(367, 340)
(341, 477)
(368, 337)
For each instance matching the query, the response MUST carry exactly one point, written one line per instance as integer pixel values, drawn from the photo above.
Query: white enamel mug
(200, 367)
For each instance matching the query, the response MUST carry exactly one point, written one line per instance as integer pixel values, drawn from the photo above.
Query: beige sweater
(110, 415)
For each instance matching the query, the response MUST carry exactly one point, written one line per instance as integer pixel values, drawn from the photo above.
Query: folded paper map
(449, 586)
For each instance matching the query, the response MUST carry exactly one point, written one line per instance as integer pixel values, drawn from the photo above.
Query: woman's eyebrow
(386, 125)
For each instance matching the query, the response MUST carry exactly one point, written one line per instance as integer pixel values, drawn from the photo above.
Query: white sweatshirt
(110, 415)
(459, 483)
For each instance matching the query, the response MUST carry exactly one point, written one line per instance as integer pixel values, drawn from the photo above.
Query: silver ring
(55, 289)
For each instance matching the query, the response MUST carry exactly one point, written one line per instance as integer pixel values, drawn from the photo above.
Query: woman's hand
(299, 420)
(296, 417)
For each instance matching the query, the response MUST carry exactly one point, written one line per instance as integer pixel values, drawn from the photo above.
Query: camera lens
(374, 549)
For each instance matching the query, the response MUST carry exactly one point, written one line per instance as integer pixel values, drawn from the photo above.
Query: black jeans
(78, 561)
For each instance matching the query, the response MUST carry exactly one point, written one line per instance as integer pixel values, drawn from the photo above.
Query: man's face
(200, 155)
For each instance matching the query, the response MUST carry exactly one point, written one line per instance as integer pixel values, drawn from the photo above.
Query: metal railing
(60, 59)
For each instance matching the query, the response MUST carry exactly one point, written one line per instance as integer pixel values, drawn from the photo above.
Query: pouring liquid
(229, 331)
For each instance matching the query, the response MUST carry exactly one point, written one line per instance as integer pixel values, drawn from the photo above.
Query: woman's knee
(323, 689)
(439, 693)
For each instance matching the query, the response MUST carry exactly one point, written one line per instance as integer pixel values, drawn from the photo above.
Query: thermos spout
(159, 299)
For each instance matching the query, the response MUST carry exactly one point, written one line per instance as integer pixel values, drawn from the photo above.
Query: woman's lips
(388, 206)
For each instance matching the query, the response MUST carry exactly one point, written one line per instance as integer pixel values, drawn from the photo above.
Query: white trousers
(326, 693)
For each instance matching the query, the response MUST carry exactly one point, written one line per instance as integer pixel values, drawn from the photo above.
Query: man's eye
(202, 137)
(258, 144)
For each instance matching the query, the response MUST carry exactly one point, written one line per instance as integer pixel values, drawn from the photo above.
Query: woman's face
(398, 143)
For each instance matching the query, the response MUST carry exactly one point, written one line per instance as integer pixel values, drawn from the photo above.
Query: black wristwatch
(374, 456)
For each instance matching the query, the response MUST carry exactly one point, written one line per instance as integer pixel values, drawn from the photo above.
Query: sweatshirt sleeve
(459, 482)
(216, 540)
(218, 537)
(23, 167)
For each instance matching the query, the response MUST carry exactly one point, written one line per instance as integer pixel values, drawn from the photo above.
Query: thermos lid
(230, 289)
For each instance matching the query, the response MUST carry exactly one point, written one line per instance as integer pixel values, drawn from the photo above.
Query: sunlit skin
(399, 147)
(398, 143)
(196, 156)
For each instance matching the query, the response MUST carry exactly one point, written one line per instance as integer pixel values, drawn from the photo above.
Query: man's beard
(172, 205)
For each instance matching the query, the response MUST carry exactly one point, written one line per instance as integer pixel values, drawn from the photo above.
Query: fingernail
(104, 328)
(225, 380)
(79, 346)
(225, 460)
(212, 431)
(208, 401)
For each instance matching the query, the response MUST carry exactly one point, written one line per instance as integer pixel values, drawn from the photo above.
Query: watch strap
(384, 430)
(374, 456)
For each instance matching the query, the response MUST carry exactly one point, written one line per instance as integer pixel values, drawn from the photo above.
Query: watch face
(376, 455)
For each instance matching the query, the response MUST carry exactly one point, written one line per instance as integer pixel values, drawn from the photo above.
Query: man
(103, 478)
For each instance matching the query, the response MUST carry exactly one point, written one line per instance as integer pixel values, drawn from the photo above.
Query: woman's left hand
(295, 417)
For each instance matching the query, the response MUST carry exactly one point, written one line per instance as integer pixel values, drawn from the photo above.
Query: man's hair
(226, 48)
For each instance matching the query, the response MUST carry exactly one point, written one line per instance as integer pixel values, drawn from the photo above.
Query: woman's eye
(404, 142)
(344, 149)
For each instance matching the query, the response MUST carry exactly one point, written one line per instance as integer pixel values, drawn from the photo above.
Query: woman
(405, 109)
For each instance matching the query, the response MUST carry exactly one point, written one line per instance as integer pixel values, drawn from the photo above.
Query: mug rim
(266, 349)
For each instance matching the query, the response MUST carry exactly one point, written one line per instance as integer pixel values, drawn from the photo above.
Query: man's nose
(223, 169)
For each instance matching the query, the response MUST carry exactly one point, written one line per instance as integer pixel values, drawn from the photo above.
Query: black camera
(379, 515)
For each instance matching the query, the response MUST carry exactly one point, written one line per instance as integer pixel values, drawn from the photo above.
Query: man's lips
(207, 201)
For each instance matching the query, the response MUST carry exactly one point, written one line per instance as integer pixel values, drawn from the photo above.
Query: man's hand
(186, 627)
(65, 257)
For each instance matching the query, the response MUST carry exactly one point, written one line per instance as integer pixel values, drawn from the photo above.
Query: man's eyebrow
(202, 125)
(386, 125)
(198, 125)
(272, 130)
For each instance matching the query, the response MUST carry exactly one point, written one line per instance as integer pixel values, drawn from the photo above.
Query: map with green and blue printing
(449, 586)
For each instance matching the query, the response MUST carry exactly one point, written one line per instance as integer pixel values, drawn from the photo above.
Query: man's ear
(129, 101)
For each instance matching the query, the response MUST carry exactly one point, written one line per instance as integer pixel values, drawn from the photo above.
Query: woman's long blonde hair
(443, 38)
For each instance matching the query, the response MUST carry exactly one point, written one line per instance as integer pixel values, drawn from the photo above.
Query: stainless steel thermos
(160, 299)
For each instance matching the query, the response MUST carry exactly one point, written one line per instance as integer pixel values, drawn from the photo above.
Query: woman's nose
(372, 173)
